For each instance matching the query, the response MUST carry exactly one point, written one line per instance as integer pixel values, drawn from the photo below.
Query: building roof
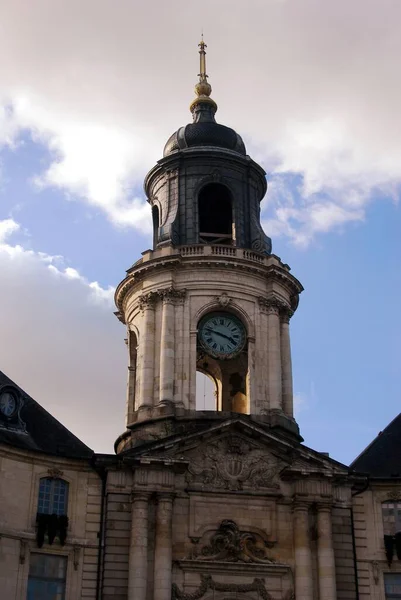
(382, 458)
(33, 428)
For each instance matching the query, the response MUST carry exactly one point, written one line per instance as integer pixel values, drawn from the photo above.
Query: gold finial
(203, 89)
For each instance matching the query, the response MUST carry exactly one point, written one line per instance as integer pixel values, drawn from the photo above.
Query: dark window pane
(47, 574)
(53, 496)
(392, 586)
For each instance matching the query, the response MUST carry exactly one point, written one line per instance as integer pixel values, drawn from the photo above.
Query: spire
(203, 107)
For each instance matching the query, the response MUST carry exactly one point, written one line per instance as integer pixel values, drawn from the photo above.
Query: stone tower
(224, 503)
(211, 271)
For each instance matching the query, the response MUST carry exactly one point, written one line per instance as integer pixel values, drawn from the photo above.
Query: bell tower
(210, 296)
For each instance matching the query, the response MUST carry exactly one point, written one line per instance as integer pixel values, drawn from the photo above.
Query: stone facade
(20, 473)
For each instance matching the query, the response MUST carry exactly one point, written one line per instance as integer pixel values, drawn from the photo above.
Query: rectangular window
(47, 576)
(392, 586)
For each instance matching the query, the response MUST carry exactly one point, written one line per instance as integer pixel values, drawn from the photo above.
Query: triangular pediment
(235, 454)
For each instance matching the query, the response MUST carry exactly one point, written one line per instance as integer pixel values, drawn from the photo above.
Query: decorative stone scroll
(393, 495)
(233, 462)
(207, 583)
(229, 544)
(55, 473)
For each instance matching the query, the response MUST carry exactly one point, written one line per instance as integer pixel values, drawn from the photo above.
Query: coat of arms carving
(233, 463)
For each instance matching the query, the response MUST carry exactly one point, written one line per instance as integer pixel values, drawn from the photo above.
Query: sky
(89, 93)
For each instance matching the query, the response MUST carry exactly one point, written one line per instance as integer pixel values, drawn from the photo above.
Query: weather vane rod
(202, 54)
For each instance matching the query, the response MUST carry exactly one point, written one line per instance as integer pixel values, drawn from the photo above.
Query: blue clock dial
(8, 404)
(221, 335)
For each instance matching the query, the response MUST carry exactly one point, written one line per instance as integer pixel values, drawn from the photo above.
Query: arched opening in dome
(156, 223)
(216, 223)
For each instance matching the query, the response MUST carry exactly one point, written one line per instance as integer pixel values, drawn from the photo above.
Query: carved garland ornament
(232, 462)
(229, 544)
(208, 583)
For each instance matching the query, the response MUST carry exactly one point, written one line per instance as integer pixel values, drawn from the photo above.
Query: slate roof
(382, 458)
(37, 430)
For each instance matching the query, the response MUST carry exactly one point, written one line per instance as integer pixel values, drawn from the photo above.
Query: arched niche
(156, 224)
(132, 372)
(215, 215)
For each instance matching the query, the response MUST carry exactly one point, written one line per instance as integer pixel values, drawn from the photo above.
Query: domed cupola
(205, 189)
(204, 131)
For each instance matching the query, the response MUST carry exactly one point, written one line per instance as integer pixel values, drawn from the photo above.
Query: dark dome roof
(204, 133)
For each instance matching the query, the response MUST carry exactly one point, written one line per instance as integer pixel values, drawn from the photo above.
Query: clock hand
(227, 337)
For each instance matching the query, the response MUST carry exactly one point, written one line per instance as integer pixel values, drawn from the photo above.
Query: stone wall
(369, 537)
(20, 473)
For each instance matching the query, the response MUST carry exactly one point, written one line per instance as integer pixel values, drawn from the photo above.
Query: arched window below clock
(53, 496)
(222, 354)
(206, 391)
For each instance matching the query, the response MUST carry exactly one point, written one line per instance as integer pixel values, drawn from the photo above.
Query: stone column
(138, 553)
(163, 547)
(147, 350)
(325, 554)
(167, 342)
(302, 550)
(273, 355)
(286, 364)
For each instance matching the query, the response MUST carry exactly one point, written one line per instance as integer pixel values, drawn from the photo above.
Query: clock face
(221, 335)
(8, 404)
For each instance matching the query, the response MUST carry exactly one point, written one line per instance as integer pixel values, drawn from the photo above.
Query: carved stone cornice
(276, 306)
(142, 269)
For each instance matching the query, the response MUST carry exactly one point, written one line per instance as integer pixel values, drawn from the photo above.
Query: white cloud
(300, 403)
(310, 85)
(71, 355)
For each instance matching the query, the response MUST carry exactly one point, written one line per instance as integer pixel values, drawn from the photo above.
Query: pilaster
(325, 556)
(138, 554)
(286, 363)
(147, 350)
(302, 551)
(272, 307)
(167, 346)
(163, 546)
